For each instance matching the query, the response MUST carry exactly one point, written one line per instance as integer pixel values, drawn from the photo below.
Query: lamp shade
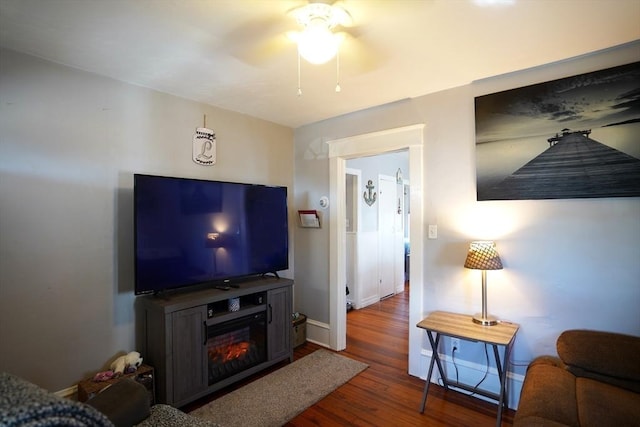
(482, 255)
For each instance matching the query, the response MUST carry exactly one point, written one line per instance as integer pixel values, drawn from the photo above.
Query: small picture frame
(309, 218)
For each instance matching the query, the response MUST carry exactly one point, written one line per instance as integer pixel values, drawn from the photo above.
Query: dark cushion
(603, 356)
(125, 402)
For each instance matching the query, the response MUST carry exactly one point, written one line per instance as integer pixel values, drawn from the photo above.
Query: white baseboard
(68, 393)
(471, 373)
(318, 333)
(369, 301)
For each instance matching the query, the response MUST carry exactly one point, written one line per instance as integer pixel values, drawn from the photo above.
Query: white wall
(371, 167)
(568, 263)
(70, 142)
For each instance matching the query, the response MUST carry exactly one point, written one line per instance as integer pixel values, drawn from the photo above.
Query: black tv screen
(190, 231)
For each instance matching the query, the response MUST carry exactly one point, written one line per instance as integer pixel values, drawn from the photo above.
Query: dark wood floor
(384, 394)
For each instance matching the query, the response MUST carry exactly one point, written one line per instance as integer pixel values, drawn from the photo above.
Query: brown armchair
(595, 381)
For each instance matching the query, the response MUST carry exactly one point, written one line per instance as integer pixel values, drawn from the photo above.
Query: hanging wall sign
(204, 147)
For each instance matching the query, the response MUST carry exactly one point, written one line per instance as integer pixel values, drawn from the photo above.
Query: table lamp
(483, 256)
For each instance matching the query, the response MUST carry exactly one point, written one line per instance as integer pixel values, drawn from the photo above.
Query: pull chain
(338, 88)
(299, 89)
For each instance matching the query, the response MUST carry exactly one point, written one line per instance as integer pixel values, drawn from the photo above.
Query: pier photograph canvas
(576, 137)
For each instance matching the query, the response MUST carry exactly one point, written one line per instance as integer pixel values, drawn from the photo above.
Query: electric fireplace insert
(236, 345)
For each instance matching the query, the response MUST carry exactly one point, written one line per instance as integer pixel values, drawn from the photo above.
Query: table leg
(434, 358)
(498, 363)
(502, 372)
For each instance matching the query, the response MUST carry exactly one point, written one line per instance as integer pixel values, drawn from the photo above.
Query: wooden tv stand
(172, 332)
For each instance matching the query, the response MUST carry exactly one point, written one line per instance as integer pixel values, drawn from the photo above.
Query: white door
(388, 223)
(352, 224)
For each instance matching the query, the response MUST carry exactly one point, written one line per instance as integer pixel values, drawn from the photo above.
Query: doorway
(374, 221)
(411, 138)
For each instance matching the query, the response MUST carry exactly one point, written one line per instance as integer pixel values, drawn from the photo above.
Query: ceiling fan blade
(357, 56)
(259, 54)
(260, 40)
(257, 40)
(346, 20)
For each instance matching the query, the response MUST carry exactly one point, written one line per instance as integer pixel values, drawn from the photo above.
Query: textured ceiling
(234, 54)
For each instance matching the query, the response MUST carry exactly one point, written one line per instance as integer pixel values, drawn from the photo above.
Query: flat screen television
(190, 231)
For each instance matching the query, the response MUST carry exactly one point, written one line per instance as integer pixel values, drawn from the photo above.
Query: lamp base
(487, 320)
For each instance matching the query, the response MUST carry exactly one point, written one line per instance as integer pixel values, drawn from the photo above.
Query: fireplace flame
(224, 354)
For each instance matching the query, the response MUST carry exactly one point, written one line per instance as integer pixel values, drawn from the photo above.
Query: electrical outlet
(455, 343)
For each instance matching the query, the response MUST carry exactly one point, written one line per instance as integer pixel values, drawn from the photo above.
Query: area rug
(278, 397)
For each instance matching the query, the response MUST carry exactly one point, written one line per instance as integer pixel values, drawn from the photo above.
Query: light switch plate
(433, 231)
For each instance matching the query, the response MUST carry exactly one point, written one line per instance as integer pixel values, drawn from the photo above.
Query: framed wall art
(576, 137)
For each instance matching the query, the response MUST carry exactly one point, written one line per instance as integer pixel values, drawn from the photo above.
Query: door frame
(407, 137)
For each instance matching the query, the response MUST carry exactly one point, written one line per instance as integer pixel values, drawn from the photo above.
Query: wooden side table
(144, 375)
(462, 326)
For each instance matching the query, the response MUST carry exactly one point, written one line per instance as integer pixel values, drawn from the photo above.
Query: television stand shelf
(176, 331)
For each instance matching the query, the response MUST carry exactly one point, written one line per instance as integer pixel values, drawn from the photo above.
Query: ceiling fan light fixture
(317, 44)
(331, 15)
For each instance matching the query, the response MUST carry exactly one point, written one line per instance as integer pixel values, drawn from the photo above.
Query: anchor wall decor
(369, 195)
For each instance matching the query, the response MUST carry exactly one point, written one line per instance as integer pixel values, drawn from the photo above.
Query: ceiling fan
(317, 43)
(320, 31)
